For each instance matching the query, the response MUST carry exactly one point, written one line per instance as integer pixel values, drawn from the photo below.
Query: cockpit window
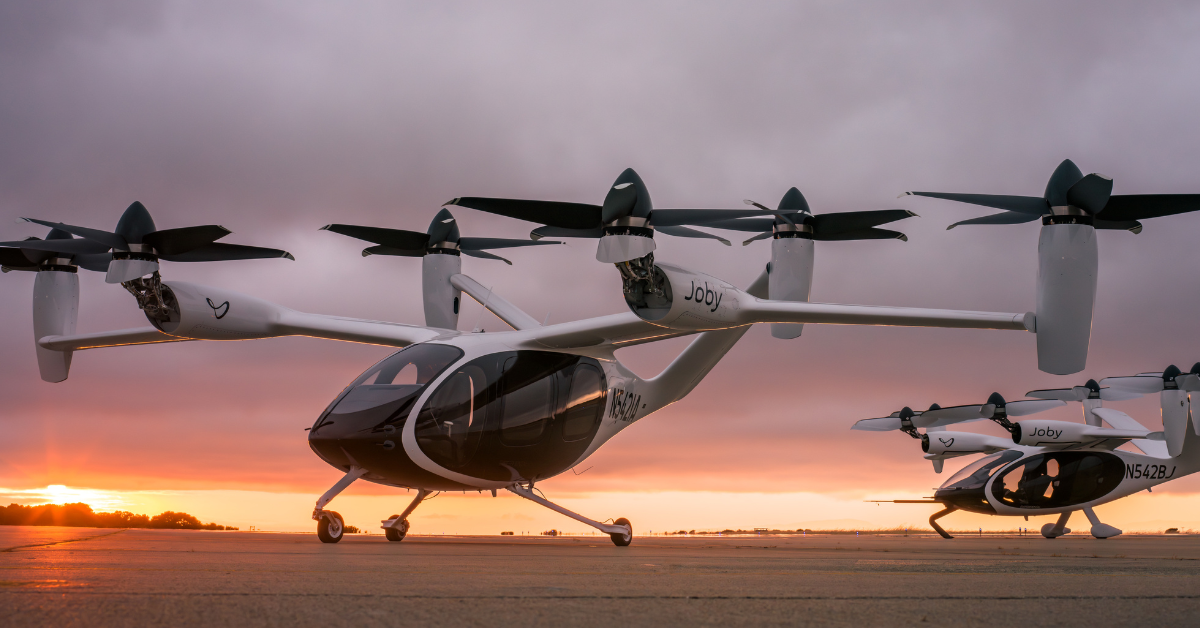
(976, 474)
(397, 377)
(1058, 479)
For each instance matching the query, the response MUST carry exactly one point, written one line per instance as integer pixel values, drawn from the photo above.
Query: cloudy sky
(275, 118)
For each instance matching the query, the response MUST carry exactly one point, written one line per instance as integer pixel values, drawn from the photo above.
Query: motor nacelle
(677, 298)
(1064, 433)
(207, 313)
(951, 444)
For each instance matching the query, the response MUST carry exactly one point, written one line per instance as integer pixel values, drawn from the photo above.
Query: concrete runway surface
(90, 577)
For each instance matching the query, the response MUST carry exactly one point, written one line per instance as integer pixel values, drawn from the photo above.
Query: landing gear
(1100, 530)
(622, 539)
(1057, 529)
(395, 528)
(938, 515)
(330, 527)
(621, 531)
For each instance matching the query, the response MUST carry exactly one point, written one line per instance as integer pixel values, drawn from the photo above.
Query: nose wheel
(622, 539)
(395, 528)
(330, 527)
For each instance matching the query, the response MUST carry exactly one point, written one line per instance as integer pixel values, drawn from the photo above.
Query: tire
(398, 533)
(622, 540)
(330, 527)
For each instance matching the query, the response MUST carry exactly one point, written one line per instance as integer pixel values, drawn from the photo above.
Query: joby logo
(218, 310)
(704, 295)
(946, 442)
(1047, 432)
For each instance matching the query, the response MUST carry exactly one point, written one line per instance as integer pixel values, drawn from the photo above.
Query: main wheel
(397, 533)
(621, 540)
(330, 527)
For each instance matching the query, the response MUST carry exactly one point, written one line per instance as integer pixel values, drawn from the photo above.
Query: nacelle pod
(687, 300)
(1064, 433)
(207, 313)
(950, 444)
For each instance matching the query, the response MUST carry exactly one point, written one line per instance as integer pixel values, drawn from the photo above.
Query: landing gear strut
(621, 531)
(1058, 528)
(330, 525)
(395, 528)
(938, 515)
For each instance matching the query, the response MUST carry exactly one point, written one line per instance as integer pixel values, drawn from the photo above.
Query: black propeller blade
(443, 236)
(136, 232)
(627, 204)
(794, 216)
(29, 254)
(1090, 195)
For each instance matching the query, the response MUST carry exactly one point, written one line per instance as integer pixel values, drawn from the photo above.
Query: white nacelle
(1063, 433)
(1066, 295)
(55, 312)
(790, 278)
(699, 302)
(207, 313)
(948, 444)
(441, 298)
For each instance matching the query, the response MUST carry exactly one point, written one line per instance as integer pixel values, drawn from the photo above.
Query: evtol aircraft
(1057, 467)
(474, 411)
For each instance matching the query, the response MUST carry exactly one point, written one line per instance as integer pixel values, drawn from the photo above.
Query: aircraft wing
(622, 330)
(765, 311)
(118, 338)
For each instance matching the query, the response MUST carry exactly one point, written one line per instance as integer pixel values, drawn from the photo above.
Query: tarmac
(96, 577)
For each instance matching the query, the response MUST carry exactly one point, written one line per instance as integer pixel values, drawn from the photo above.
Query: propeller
(624, 223)
(794, 219)
(1069, 193)
(906, 420)
(441, 237)
(1090, 390)
(137, 245)
(1147, 383)
(57, 250)
(995, 409)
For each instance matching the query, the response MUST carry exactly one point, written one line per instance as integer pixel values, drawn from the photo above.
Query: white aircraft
(1057, 467)
(467, 411)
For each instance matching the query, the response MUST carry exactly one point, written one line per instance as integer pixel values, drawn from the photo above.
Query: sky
(275, 118)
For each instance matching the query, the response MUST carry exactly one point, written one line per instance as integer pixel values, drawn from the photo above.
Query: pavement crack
(78, 540)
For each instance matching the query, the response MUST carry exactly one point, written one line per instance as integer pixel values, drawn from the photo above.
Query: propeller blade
(67, 247)
(111, 240)
(761, 236)
(96, 263)
(391, 238)
(1090, 193)
(1189, 382)
(885, 424)
(1141, 384)
(744, 224)
(1032, 406)
(1006, 218)
(1078, 393)
(387, 250)
(219, 252)
(1116, 394)
(686, 232)
(955, 414)
(184, 239)
(559, 232)
(485, 255)
(1021, 204)
(1131, 226)
(1143, 206)
(479, 244)
(552, 213)
(14, 259)
(680, 217)
(863, 234)
(829, 224)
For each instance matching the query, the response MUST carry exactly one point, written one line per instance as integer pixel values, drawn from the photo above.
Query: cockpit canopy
(976, 474)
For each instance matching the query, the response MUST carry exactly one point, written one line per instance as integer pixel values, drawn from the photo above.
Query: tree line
(82, 515)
